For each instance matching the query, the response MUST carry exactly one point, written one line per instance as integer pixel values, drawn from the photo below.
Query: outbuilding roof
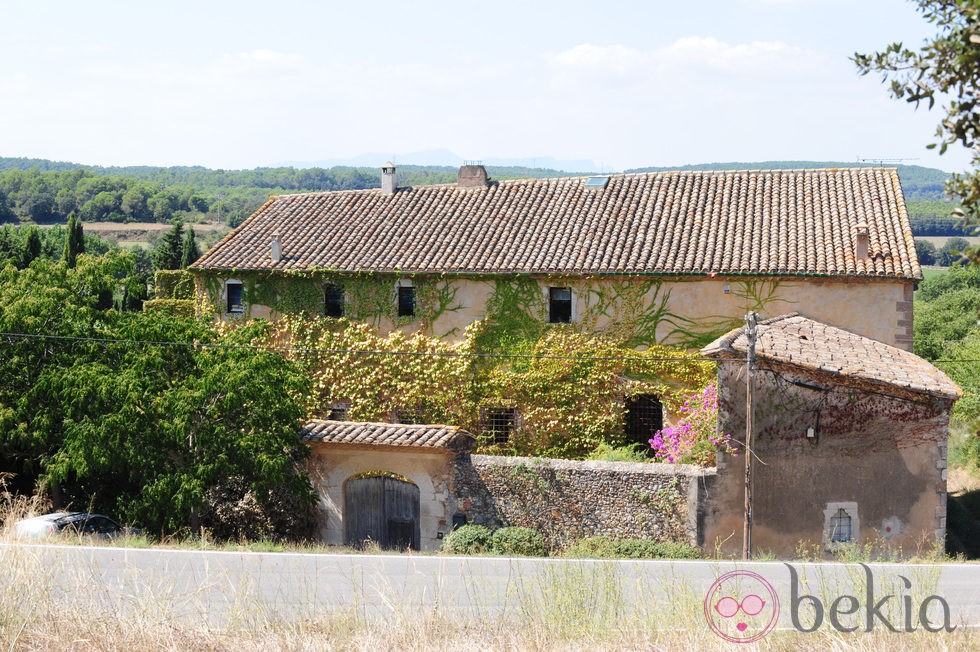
(837, 354)
(387, 434)
(776, 222)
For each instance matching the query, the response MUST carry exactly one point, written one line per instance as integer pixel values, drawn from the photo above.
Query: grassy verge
(573, 607)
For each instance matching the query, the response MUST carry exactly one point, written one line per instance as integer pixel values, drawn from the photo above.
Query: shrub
(235, 512)
(172, 307)
(613, 548)
(518, 542)
(173, 284)
(468, 540)
(695, 437)
(607, 453)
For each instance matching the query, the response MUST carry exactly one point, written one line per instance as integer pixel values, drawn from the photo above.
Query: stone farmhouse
(854, 436)
(672, 257)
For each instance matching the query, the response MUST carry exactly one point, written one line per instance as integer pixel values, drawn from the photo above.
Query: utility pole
(751, 320)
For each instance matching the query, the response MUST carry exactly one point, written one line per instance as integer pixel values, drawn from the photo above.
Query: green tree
(947, 66)
(926, 252)
(189, 250)
(32, 247)
(169, 250)
(139, 414)
(74, 240)
(952, 251)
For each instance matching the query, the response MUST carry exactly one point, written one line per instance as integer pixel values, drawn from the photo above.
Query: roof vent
(471, 176)
(596, 183)
(276, 249)
(862, 241)
(388, 183)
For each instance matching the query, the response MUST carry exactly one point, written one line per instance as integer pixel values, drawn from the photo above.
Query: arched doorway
(381, 507)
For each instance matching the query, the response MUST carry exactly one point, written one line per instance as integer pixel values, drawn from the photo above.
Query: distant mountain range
(444, 158)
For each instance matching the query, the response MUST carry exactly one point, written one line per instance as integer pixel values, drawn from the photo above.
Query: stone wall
(820, 446)
(567, 500)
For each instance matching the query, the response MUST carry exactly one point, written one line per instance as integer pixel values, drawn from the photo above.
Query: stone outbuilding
(384, 482)
(850, 440)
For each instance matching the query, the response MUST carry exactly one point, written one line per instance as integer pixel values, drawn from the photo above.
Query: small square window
(233, 290)
(333, 301)
(560, 305)
(841, 524)
(406, 415)
(497, 423)
(406, 301)
(338, 412)
(840, 527)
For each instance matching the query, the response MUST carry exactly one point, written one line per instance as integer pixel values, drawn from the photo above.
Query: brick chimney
(388, 183)
(471, 176)
(861, 241)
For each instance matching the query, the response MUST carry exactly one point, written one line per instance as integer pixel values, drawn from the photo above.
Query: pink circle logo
(741, 607)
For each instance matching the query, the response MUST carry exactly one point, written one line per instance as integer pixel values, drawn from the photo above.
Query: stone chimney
(861, 241)
(471, 176)
(388, 183)
(276, 249)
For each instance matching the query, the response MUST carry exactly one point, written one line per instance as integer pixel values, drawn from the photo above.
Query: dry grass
(109, 227)
(574, 607)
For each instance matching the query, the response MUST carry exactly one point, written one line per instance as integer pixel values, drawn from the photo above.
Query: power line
(371, 352)
(367, 352)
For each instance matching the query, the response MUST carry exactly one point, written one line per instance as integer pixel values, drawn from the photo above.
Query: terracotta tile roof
(785, 222)
(387, 434)
(838, 354)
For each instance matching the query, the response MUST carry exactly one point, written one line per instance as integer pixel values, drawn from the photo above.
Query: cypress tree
(168, 252)
(74, 240)
(189, 251)
(32, 248)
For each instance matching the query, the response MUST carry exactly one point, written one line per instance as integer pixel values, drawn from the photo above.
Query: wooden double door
(382, 509)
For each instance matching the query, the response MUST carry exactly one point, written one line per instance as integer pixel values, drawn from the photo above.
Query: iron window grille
(338, 412)
(498, 423)
(560, 305)
(840, 527)
(644, 417)
(406, 415)
(333, 301)
(406, 301)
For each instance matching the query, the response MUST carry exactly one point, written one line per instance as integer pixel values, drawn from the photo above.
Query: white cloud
(688, 55)
(258, 62)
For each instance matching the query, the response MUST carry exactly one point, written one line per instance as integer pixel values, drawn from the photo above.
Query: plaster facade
(331, 465)
(820, 447)
(682, 311)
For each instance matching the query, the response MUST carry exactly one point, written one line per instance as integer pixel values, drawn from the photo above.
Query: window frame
(229, 307)
(339, 299)
(494, 416)
(631, 418)
(406, 288)
(552, 308)
(831, 514)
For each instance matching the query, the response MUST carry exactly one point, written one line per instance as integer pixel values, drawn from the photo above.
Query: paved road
(220, 587)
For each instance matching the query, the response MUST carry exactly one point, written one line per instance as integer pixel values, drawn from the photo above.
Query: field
(940, 240)
(139, 234)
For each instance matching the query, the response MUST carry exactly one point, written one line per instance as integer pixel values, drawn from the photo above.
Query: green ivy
(173, 284)
(569, 395)
(181, 307)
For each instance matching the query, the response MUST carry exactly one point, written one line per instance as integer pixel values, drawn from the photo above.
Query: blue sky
(622, 83)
